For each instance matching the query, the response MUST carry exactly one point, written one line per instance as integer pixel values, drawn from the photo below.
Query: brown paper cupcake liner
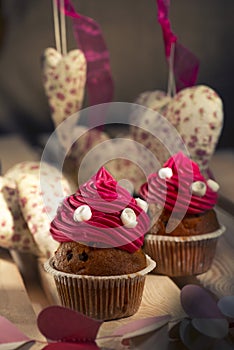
(182, 256)
(101, 297)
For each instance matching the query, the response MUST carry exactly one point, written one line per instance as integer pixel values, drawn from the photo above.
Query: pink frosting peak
(106, 201)
(179, 186)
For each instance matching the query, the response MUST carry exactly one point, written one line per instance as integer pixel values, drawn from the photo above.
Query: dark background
(134, 39)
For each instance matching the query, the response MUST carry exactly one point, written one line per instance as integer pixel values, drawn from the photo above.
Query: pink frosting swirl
(175, 193)
(106, 200)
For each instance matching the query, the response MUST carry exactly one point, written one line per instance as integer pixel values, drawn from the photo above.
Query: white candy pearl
(213, 185)
(198, 188)
(82, 213)
(142, 204)
(128, 218)
(165, 173)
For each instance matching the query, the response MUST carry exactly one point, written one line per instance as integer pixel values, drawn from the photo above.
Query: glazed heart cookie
(14, 232)
(64, 79)
(197, 114)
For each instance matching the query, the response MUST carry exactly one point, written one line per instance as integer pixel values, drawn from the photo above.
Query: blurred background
(134, 39)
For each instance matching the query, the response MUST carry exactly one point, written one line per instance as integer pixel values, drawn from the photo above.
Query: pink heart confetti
(70, 346)
(142, 326)
(11, 334)
(198, 303)
(66, 325)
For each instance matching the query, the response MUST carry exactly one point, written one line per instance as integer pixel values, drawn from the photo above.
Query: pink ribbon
(168, 36)
(90, 40)
(186, 64)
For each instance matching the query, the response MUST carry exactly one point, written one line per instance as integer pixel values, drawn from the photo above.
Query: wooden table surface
(23, 294)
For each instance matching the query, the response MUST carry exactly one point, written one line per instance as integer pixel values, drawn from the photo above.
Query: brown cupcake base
(182, 256)
(101, 297)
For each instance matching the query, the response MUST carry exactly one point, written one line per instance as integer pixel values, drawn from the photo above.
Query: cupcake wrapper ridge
(101, 297)
(182, 256)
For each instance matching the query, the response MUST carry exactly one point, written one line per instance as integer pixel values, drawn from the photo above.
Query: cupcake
(184, 227)
(99, 267)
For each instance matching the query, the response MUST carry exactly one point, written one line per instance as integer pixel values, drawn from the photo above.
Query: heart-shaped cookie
(38, 195)
(197, 114)
(156, 100)
(14, 232)
(64, 79)
(94, 148)
(195, 120)
(150, 129)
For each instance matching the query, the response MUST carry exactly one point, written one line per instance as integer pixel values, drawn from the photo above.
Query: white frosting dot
(213, 185)
(165, 173)
(198, 188)
(142, 204)
(128, 218)
(82, 213)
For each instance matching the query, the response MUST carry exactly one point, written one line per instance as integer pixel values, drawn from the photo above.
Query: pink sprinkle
(23, 201)
(73, 91)
(194, 138)
(16, 237)
(34, 229)
(60, 96)
(48, 209)
(34, 167)
(69, 104)
(191, 144)
(67, 111)
(200, 152)
(144, 136)
(201, 111)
